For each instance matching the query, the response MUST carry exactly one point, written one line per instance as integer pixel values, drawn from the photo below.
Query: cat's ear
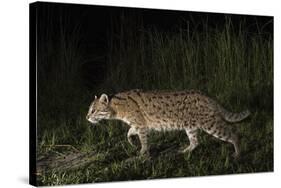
(104, 99)
(96, 97)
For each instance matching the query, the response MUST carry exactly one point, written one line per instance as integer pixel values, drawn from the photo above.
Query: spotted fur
(164, 110)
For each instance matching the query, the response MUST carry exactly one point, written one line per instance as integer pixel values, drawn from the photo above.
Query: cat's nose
(87, 117)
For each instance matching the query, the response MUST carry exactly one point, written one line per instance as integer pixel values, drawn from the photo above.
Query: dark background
(96, 24)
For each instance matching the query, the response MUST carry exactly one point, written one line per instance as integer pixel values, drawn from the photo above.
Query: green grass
(234, 66)
(212, 157)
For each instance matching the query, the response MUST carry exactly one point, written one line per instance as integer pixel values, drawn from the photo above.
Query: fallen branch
(62, 145)
(60, 161)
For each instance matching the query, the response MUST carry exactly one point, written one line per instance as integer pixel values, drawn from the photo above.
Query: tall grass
(230, 63)
(61, 93)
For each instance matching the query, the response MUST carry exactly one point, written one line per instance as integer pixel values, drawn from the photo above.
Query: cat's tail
(233, 117)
